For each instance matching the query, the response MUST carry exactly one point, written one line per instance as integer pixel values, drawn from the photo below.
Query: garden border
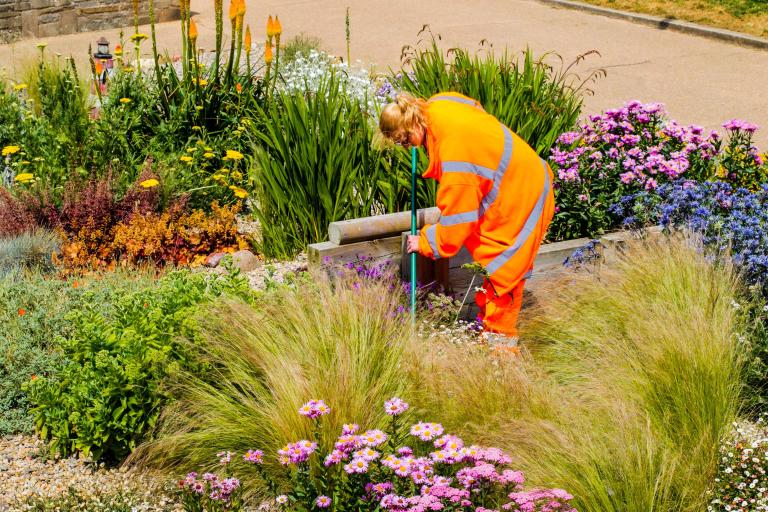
(660, 23)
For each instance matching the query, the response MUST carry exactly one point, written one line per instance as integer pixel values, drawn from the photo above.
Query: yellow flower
(236, 175)
(10, 150)
(118, 50)
(239, 192)
(233, 155)
(24, 177)
(187, 159)
(198, 108)
(128, 69)
(125, 101)
(209, 149)
(191, 150)
(138, 37)
(152, 182)
(196, 128)
(201, 143)
(202, 82)
(192, 30)
(42, 45)
(208, 155)
(224, 170)
(19, 87)
(268, 51)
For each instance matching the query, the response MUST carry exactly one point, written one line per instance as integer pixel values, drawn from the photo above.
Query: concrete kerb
(665, 23)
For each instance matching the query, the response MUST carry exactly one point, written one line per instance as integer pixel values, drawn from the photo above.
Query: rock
(214, 259)
(245, 260)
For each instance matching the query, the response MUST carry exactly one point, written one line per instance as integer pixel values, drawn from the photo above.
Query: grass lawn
(749, 16)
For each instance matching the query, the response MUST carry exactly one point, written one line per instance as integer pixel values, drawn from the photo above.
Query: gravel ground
(25, 473)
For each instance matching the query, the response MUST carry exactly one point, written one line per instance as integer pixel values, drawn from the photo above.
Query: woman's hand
(413, 243)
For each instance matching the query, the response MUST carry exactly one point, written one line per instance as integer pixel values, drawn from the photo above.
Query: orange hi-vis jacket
(495, 194)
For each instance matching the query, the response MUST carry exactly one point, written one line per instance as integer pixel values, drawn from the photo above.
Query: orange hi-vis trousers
(499, 313)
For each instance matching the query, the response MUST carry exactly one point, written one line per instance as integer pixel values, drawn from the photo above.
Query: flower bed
(414, 469)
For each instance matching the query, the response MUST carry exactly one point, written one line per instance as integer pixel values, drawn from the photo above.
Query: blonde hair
(403, 115)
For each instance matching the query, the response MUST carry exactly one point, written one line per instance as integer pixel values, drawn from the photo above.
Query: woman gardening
(495, 196)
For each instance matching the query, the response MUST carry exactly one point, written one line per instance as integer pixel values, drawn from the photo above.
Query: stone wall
(46, 18)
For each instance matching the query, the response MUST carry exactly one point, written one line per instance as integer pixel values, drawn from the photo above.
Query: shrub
(741, 484)
(301, 44)
(32, 317)
(108, 395)
(29, 251)
(341, 341)
(397, 469)
(529, 96)
(16, 217)
(635, 148)
(729, 219)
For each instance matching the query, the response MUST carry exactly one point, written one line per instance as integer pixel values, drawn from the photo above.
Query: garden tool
(413, 232)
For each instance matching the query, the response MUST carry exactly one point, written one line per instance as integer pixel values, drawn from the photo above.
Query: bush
(32, 317)
(29, 252)
(530, 97)
(741, 484)
(16, 217)
(635, 148)
(108, 395)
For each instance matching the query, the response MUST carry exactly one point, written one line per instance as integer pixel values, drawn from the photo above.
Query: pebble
(29, 474)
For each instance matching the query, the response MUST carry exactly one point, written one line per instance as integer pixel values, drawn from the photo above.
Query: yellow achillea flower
(10, 150)
(24, 177)
(208, 155)
(196, 128)
(239, 192)
(19, 87)
(201, 82)
(186, 159)
(152, 182)
(191, 150)
(233, 155)
(125, 101)
(138, 37)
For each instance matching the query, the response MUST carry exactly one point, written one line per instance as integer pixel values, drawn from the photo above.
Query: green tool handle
(413, 232)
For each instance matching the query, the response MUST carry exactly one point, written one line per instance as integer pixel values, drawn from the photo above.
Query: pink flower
(373, 438)
(314, 409)
(356, 466)
(254, 456)
(349, 429)
(224, 457)
(582, 197)
(282, 499)
(395, 406)
(334, 457)
(323, 502)
(426, 431)
(366, 454)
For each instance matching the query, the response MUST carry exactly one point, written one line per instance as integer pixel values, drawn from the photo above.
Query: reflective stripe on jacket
(495, 194)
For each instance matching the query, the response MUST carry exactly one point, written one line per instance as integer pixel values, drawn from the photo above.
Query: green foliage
(533, 99)
(315, 165)
(32, 317)
(108, 395)
(756, 365)
(28, 251)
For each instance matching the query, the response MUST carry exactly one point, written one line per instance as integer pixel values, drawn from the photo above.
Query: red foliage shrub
(15, 219)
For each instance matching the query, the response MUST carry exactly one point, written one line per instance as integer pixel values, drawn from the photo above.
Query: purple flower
(254, 456)
(225, 457)
(349, 429)
(314, 409)
(395, 406)
(358, 466)
(323, 502)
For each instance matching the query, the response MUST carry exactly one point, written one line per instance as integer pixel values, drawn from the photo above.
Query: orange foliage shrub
(178, 237)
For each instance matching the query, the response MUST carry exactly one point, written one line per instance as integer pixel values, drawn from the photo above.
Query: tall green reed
(534, 99)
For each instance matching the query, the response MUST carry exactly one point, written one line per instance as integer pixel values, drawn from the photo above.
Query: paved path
(700, 80)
